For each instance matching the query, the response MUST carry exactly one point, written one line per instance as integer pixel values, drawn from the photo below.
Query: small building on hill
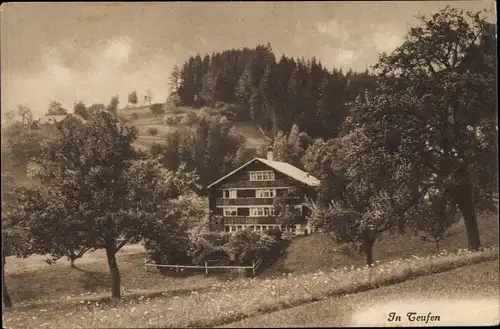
(244, 198)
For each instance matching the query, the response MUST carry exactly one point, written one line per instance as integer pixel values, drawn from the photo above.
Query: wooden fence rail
(254, 267)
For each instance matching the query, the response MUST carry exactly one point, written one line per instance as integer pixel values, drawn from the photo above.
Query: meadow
(63, 297)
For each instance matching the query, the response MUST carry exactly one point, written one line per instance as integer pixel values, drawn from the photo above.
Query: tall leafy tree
(81, 110)
(132, 98)
(100, 189)
(438, 103)
(56, 108)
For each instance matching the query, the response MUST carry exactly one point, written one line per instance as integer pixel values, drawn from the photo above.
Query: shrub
(207, 246)
(245, 246)
(190, 119)
(275, 233)
(153, 131)
(169, 121)
(134, 116)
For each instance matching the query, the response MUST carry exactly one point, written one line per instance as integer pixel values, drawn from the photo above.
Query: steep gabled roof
(282, 167)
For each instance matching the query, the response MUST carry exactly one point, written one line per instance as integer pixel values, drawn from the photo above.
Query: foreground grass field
(229, 301)
(464, 296)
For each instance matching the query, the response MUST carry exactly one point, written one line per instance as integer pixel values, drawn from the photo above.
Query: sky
(70, 52)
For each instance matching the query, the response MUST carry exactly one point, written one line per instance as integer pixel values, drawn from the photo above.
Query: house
(243, 199)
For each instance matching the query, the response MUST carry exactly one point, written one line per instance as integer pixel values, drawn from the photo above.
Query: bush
(246, 246)
(275, 233)
(190, 119)
(169, 121)
(153, 131)
(134, 116)
(207, 246)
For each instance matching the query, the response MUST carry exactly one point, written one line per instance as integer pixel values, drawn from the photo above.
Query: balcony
(244, 202)
(242, 220)
(253, 201)
(268, 183)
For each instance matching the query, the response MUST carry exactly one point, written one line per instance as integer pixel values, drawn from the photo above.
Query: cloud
(92, 75)
(118, 50)
(341, 31)
(386, 38)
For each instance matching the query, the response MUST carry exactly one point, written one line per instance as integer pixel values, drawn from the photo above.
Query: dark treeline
(272, 93)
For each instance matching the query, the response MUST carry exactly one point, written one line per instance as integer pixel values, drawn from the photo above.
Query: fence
(254, 267)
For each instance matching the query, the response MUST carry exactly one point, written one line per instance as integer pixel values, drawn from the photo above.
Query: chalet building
(243, 199)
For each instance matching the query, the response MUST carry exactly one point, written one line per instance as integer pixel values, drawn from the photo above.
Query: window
(229, 194)
(261, 175)
(265, 193)
(262, 211)
(229, 211)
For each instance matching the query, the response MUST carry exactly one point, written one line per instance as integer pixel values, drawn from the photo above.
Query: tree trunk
(437, 246)
(115, 273)
(72, 262)
(5, 293)
(368, 246)
(470, 220)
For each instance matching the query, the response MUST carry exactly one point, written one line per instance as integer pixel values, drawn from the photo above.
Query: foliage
(100, 190)
(207, 246)
(323, 159)
(56, 108)
(132, 98)
(437, 214)
(113, 105)
(436, 107)
(95, 109)
(81, 110)
(23, 145)
(272, 94)
(290, 147)
(286, 214)
(212, 148)
(245, 246)
(168, 241)
(153, 131)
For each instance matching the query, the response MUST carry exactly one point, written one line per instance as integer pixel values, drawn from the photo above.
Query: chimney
(270, 153)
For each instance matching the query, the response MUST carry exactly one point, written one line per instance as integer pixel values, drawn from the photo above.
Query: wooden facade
(236, 202)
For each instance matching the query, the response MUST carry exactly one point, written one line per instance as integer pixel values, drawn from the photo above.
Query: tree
(81, 110)
(56, 108)
(102, 188)
(26, 115)
(437, 214)
(132, 98)
(113, 105)
(287, 214)
(94, 109)
(148, 97)
(437, 101)
(174, 80)
(47, 218)
(9, 117)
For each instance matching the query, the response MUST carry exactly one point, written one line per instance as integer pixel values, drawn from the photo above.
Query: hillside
(319, 252)
(180, 118)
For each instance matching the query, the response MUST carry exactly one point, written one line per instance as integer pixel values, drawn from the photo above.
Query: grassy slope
(306, 254)
(328, 254)
(145, 120)
(436, 293)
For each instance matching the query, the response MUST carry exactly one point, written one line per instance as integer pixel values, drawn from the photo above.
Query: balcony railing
(244, 202)
(241, 220)
(248, 183)
(252, 201)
